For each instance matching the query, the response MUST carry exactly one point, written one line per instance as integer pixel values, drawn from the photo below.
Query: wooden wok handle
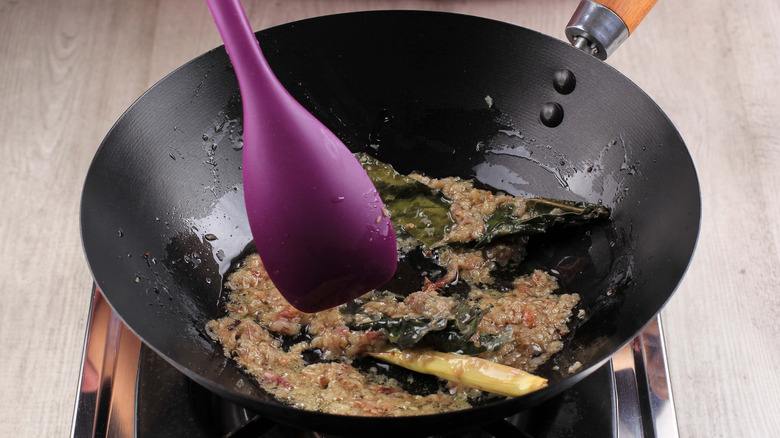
(598, 27)
(632, 12)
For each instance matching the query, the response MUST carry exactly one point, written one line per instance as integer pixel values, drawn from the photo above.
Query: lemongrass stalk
(467, 370)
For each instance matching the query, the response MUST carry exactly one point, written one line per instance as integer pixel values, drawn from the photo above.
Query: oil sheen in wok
(317, 361)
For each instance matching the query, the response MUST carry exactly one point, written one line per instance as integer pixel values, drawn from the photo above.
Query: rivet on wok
(551, 114)
(564, 81)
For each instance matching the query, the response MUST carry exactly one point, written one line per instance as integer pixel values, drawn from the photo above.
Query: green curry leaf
(544, 214)
(404, 332)
(421, 211)
(468, 317)
(495, 342)
(424, 213)
(452, 334)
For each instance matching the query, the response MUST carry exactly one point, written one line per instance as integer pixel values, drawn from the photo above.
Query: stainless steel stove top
(126, 390)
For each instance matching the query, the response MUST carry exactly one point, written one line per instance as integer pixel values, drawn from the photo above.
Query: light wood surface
(68, 69)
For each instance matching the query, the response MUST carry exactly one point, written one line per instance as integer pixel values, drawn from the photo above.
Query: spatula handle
(599, 27)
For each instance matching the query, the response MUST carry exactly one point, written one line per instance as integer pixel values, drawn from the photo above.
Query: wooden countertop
(69, 69)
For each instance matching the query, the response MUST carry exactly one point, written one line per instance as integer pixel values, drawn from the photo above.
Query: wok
(162, 211)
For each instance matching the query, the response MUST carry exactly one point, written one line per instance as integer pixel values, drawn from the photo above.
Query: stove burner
(128, 390)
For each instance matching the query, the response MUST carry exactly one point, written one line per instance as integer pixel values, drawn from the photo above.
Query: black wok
(162, 212)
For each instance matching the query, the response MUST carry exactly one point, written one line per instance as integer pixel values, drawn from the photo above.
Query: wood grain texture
(632, 12)
(69, 70)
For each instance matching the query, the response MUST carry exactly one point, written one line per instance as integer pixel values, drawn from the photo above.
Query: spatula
(318, 223)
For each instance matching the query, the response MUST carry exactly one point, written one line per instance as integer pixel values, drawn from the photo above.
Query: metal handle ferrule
(595, 29)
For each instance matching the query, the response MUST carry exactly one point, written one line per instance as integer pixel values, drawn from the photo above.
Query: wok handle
(632, 12)
(599, 27)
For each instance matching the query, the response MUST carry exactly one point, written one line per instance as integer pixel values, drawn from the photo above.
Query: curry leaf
(424, 213)
(404, 332)
(494, 342)
(450, 340)
(467, 318)
(419, 210)
(453, 335)
(457, 336)
(544, 214)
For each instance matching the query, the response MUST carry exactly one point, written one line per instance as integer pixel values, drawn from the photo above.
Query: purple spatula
(318, 222)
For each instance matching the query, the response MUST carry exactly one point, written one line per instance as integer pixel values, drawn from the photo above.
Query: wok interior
(447, 95)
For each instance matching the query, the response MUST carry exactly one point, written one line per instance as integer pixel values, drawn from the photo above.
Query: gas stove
(127, 390)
